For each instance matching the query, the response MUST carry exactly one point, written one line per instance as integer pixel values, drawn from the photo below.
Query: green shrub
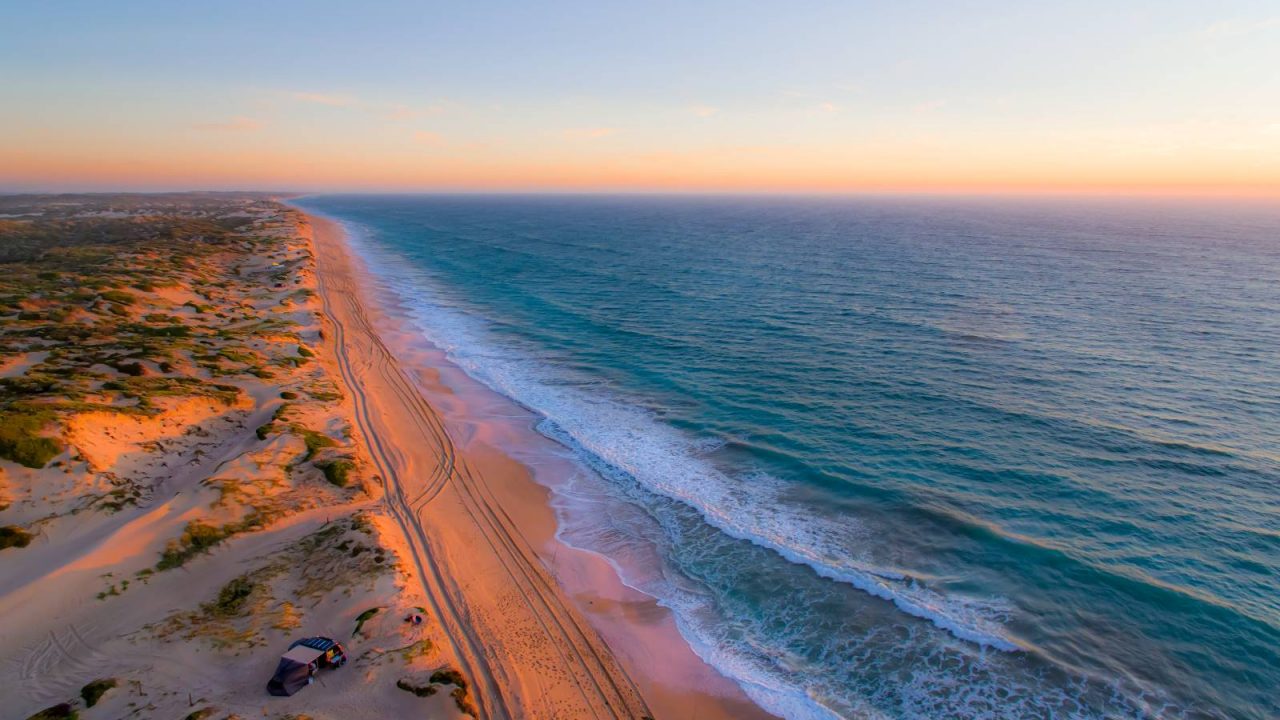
(30, 385)
(304, 352)
(61, 711)
(314, 441)
(362, 618)
(419, 690)
(460, 699)
(119, 297)
(338, 472)
(232, 597)
(20, 442)
(94, 691)
(288, 395)
(134, 369)
(14, 536)
(449, 676)
(198, 537)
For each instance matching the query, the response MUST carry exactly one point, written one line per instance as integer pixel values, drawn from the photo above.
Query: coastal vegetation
(426, 690)
(21, 435)
(162, 395)
(338, 472)
(61, 711)
(444, 676)
(94, 691)
(449, 676)
(14, 536)
(75, 285)
(232, 597)
(364, 617)
(199, 537)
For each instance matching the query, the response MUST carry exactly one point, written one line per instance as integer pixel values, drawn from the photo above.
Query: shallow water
(897, 457)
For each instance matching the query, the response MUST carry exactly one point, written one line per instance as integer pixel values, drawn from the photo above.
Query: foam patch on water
(652, 483)
(611, 522)
(669, 462)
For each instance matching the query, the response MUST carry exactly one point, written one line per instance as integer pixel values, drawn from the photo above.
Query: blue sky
(564, 94)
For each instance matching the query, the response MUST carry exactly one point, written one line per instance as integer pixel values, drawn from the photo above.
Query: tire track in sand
(539, 594)
(603, 687)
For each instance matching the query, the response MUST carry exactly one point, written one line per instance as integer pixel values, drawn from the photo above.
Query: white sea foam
(642, 464)
(669, 462)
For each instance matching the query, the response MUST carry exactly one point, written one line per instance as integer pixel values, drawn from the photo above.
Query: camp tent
(295, 670)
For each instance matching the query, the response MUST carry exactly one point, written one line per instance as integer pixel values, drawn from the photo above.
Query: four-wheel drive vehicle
(299, 665)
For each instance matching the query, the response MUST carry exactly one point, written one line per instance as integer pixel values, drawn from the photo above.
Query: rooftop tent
(294, 671)
(303, 654)
(332, 654)
(319, 643)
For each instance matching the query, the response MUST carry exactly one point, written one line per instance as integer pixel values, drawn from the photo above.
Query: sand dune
(278, 471)
(192, 525)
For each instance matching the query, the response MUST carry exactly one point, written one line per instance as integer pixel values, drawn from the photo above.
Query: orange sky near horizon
(396, 160)
(725, 170)
(1161, 98)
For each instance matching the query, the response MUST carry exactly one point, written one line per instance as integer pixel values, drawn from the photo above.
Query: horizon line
(1224, 193)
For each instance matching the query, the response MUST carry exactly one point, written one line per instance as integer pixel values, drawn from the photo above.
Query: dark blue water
(898, 457)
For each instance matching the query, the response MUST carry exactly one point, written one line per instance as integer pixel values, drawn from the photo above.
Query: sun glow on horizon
(1163, 99)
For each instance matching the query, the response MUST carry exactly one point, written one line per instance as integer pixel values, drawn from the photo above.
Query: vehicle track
(586, 663)
(489, 702)
(49, 667)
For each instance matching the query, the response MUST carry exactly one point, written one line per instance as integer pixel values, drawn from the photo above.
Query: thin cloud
(589, 133)
(426, 137)
(405, 113)
(1235, 28)
(930, 106)
(323, 98)
(236, 124)
(826, 107)
(704, 111)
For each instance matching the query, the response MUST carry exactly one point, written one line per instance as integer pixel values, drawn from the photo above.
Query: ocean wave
(826, 648)
(671, 463)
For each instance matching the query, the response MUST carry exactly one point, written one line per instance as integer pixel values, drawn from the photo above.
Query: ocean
(896, 457)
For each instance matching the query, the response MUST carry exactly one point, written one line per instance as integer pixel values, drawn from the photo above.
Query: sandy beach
(288, 460)
(200, 503)
(544, 630)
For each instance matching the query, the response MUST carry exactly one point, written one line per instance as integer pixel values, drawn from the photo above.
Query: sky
(802, 96)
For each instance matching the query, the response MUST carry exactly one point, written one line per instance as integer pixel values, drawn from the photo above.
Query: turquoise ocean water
(896, 457)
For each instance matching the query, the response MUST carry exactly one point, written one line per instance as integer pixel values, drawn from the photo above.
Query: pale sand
(540, 629)
(84, 600)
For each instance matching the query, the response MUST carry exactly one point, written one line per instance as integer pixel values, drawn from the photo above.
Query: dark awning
(291, 676)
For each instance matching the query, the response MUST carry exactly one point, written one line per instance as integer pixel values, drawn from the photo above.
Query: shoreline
(544, 628)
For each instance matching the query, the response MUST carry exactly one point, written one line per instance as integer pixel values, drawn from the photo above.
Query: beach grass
(94, 691)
